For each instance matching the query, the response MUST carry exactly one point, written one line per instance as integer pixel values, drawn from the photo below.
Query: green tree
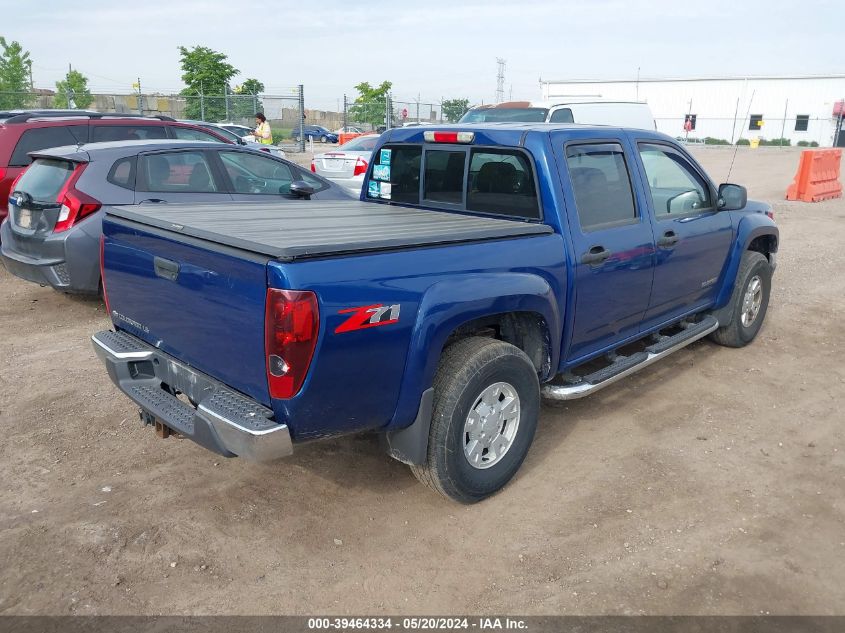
(206, 72)
(14, 75)
(75, 87)
(246, 101)
(454, 109)
(371, 103)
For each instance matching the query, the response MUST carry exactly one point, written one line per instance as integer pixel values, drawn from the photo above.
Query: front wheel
(486, 405)
(749, 301)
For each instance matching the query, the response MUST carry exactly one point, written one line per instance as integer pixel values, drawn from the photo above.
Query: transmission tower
(500, 80)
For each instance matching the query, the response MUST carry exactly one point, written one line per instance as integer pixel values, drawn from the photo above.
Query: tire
(468, 369)
(754, 268)
(324, 139)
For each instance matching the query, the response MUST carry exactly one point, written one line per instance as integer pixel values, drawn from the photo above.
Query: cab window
(601, 184)
(675, 187)
(501, 182)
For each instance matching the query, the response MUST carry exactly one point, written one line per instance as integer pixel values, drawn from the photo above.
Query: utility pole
(783, 126)
(500, 80)
(140, 98)
(69, 91)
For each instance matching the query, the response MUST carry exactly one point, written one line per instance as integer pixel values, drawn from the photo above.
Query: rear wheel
(486, 405)
(324, 139)
(749, 301)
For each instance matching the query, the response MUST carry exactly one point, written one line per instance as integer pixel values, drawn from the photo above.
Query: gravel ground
(711, 483)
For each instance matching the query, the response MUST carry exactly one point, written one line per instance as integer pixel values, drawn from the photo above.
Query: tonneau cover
(300, 229)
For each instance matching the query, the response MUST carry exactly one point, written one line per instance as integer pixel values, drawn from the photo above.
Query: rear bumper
(353, 185)
(68, 262)
(223, 421)
(45, 272)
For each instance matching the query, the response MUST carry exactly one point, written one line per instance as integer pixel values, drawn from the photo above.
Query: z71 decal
(368, 316)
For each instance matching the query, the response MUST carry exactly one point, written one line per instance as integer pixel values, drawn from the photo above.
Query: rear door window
(36, 139)
(601, 184)
(176, 172)
(501, 182)
(106, 133)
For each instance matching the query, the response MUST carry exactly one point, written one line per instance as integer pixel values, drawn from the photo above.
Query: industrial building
(800, 108)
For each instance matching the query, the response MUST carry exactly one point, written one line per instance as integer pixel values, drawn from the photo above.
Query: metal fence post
(301, 89)
(202, 106)
(345, 108)
(226, 99)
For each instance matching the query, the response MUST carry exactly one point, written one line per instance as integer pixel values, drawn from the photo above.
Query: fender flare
(444, 307)
(750, 228)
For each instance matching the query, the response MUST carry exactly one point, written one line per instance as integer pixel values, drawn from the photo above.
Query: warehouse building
(799, 108)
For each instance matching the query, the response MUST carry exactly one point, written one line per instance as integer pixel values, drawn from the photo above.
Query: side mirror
(301, 189)
(732, 197)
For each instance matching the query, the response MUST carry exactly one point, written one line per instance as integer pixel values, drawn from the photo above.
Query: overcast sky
(433, 48)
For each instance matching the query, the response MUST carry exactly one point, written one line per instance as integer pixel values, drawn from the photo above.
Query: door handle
(165, 268)
(153, 200)
(596, 255)
(669, 239)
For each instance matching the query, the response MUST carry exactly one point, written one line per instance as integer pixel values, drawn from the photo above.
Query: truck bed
(296, 230)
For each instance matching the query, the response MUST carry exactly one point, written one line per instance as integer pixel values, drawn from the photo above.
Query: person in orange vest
(263, 133)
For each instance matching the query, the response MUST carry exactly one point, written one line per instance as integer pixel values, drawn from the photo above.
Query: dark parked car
(316, 132)
(25, 131)
(52, 234)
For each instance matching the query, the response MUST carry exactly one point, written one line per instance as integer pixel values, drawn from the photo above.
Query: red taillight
(313, 167)
(75, 204)
(360, 167)
(291, 324)
(103, 273)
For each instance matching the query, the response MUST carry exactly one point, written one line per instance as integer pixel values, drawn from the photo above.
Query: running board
(626, 365)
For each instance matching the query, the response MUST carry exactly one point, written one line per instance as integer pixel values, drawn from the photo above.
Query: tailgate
(200, 302)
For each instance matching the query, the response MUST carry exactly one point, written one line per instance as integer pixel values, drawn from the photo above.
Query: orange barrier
(818, 176)
(342, 138)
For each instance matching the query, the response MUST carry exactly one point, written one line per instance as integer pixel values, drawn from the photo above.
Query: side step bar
(626, 365)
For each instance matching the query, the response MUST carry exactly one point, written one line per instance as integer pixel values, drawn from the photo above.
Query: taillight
(291, 323)
(771, 214)
(75, 204)
(313, 167)
(103, 273)
(360, 167)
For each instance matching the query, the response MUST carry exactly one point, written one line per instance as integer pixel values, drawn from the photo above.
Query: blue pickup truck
(484, 267)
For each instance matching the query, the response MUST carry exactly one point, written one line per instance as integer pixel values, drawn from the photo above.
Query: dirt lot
(710, 483)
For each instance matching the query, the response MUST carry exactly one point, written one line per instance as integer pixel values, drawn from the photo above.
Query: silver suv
(52, 233)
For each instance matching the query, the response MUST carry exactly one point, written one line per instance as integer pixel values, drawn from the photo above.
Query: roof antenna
(736, 146)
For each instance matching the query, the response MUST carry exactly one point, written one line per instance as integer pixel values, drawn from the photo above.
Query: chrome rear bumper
(224, 421)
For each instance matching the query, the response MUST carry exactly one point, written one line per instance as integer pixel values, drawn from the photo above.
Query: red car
(24, 131)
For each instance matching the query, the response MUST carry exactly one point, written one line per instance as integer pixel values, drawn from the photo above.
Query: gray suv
(52, 233)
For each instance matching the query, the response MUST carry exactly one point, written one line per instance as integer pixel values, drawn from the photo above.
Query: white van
(618, 113)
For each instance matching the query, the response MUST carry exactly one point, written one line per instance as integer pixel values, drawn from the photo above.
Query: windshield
(519, 115)
(238, 130)
(362, 143)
